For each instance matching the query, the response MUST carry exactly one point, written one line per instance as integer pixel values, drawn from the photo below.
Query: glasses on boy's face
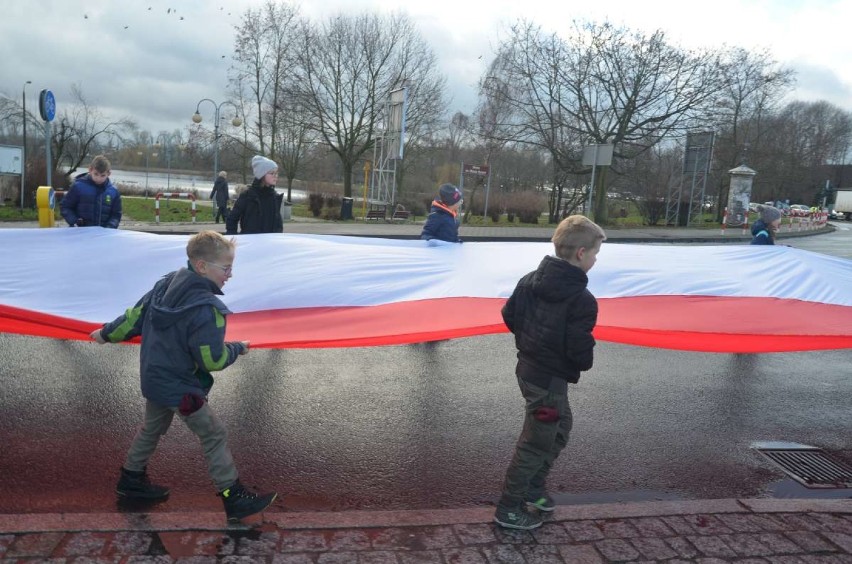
(224, 269)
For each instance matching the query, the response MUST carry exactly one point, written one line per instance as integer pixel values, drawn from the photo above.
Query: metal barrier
(172, 195)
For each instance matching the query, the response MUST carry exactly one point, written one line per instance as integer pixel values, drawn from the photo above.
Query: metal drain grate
(809, 466)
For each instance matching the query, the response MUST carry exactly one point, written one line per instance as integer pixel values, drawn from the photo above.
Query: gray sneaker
(517, 519)
(543, 503)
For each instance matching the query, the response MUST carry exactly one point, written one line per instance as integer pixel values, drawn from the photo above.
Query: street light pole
(147, 152)
(236, 122)
(24, 150)
(168, 161)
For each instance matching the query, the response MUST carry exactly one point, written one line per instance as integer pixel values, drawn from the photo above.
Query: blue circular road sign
(47, 105)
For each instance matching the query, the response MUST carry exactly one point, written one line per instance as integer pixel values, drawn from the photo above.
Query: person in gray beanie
(258, 209)
(767, 224)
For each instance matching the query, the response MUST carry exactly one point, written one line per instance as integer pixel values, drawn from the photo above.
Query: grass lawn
(14, 213)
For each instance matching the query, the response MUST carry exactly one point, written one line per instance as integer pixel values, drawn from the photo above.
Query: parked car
(800, 210)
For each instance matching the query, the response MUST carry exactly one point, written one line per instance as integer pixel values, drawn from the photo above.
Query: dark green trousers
(538, 446)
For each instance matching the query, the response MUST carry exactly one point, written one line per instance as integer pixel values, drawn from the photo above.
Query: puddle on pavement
(789, 488)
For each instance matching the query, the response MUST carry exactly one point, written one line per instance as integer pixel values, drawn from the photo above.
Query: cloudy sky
(154, 60)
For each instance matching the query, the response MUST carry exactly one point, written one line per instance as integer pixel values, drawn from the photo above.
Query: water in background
(155, 182)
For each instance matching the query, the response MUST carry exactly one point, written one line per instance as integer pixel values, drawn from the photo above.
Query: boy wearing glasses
(182, 324)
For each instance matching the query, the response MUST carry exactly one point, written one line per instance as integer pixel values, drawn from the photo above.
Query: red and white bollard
(724, 220)
(173, 195)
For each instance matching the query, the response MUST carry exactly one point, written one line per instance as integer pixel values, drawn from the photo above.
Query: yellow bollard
(45, 201)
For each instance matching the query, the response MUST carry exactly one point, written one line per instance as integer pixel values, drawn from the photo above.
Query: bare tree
(426, 105)
(753, 85)
(520, 104)
(605, 85)
(76, 130)
(348, 65)
(264, 58)
(295, 137)
(458, 135)
(805, 136)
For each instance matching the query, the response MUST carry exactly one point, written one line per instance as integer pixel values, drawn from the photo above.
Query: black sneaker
(137, 485)
(543, 503)
(240, 502)
(517, 519)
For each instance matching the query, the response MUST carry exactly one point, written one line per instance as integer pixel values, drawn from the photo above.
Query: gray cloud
(158, 69)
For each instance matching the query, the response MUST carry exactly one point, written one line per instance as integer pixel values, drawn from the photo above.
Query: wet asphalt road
(421, 426)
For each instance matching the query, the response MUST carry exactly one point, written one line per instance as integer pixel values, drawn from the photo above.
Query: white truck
(843, 204)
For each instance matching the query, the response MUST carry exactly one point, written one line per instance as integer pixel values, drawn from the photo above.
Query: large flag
(333, 291)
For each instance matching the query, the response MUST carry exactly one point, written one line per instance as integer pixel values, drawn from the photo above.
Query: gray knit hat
(261, 166)
(769, 214)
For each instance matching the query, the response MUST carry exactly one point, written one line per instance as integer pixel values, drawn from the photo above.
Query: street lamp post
(168, 160)
(236, 122)
(24, 150)
(147, 153)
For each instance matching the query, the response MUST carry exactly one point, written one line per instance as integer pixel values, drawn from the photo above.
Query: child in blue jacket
(766, 226)
(182, 324)
(441, 223)
(93, 200)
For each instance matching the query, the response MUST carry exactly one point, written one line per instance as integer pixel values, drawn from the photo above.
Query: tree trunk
(347, 179)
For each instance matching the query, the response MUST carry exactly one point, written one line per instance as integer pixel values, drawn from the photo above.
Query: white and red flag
(300, 291)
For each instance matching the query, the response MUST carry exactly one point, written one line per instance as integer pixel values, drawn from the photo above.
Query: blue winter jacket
(761, 234)
(87, 204)
(441, 224)
(182, 324)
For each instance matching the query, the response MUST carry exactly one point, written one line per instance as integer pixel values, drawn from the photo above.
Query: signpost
(595, 156)
(477, 170)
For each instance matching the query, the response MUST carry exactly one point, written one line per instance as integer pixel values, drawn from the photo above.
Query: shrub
(416, 207)
(495, 207)
(332, 206)
(315, 203)
(652, 210)
(527, 205)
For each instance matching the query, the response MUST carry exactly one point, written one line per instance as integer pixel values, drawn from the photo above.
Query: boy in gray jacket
(182, 325)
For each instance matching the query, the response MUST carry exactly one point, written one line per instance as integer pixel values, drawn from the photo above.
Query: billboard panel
(11, 159)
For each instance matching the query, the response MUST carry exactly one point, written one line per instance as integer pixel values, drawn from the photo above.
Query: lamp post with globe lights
(236, 122)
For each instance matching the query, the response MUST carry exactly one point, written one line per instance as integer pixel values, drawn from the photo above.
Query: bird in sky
(125, 27)
(85, 16)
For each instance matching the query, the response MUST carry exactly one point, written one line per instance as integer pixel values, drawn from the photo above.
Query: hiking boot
(543, 503)
(516, 519)
(240, 502)
(137, 485)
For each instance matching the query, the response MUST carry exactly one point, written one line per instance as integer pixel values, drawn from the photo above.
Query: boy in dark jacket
(441, 223)
(552, 315)
(182, 324)
(92, 200)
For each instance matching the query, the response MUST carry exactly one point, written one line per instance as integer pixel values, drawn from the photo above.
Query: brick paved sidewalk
(746, 531)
